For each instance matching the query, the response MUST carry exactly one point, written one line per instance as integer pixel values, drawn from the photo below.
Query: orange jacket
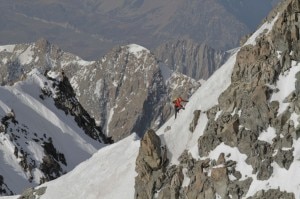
(177, 102)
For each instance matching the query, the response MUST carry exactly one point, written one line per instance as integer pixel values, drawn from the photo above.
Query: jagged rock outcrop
(218, 183)
(201, 183)
(194, 123)
(198, 61)
(51, 166)
(150, 164)
(31, 193)
(254, 69)
(272, 194)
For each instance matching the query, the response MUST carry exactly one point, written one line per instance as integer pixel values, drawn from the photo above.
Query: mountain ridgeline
(248, 109)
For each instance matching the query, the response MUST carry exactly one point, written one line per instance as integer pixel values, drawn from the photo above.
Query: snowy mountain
(237, 138)
(126, 91)
(42, 77)
(40, 138)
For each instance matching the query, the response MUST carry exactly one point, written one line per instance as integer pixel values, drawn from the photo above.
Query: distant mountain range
(90, 28)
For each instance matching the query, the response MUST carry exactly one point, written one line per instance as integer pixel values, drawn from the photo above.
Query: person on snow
(177, 105)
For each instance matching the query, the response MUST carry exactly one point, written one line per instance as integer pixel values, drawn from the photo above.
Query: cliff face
(198, 61)
(258, 114)
(121, 89)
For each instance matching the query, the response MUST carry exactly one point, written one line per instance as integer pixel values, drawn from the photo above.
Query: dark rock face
(51, 162)
(66, 100)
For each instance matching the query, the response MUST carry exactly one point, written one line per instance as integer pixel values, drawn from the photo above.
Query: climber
(178, 105)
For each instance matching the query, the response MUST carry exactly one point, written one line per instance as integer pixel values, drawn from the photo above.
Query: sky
(110, 172)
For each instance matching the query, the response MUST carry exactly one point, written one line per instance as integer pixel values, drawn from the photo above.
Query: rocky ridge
(65, 99)
(18, 60)
(246, 109)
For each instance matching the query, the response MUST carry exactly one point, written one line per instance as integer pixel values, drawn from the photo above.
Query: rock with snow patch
(272, 193)
(194, 123)
(149, 166)
(284, 158)
(32, 193)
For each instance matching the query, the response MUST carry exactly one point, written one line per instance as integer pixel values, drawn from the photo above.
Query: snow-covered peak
(137, 50)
